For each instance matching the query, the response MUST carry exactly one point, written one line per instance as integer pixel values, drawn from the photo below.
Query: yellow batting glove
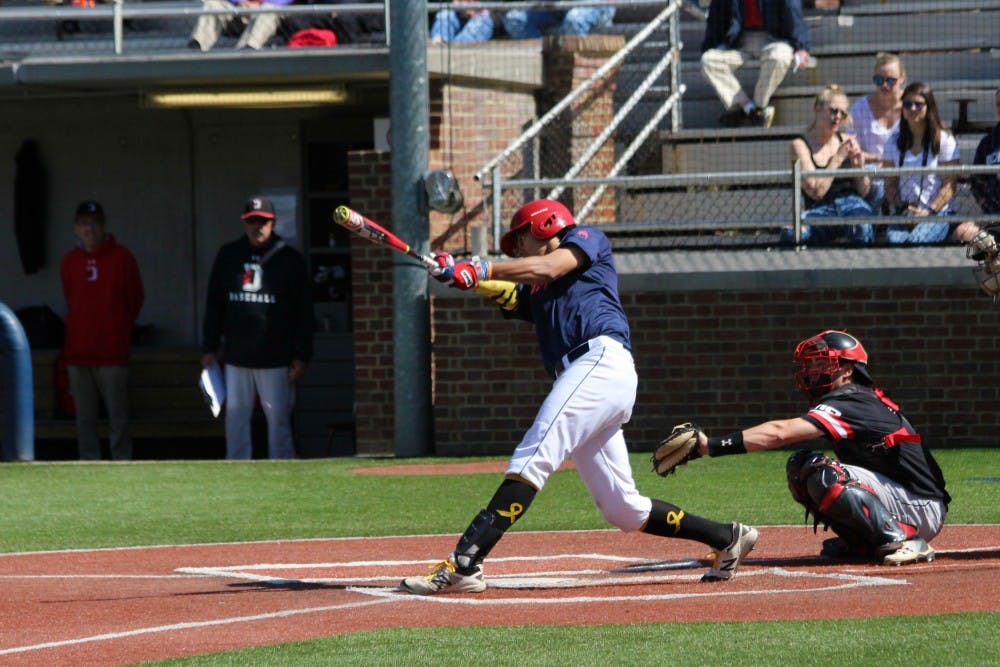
(502, 292)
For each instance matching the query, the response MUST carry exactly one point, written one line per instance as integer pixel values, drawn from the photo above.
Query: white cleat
(910, 551)
(728, 560)
(444, 578)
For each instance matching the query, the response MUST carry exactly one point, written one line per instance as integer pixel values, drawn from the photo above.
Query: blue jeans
(842, 207)
(522, 24)
(921, 232)
(448, 27)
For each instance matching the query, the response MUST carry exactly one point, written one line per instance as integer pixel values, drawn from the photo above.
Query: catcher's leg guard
(849, 508)
(510, 501)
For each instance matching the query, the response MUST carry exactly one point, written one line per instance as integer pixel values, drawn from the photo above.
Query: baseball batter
(884, 496)
(563, 279)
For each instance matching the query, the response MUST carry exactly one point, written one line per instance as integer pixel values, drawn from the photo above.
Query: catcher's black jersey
(868, 430)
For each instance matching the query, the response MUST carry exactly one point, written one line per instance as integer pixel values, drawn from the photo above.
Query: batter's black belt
(583, 348)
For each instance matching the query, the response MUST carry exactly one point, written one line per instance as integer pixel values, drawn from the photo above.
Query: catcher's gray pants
(255, 34)
(925, 514)
(90, 384)
(719, 67)
(277, 398)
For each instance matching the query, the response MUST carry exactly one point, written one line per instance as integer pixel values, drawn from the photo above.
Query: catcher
(884, 496)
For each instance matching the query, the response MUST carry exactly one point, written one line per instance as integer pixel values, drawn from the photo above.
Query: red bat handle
(372, 231)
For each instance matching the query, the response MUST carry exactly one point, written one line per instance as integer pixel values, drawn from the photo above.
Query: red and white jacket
(104, 294)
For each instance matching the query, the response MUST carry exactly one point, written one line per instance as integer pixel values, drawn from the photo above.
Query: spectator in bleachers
(824, 148)
(985, 190)
(738, 30)
(875, 117)
(531, 24)
(921, 141)
(462, 25)
(254, 32)
(986, 187)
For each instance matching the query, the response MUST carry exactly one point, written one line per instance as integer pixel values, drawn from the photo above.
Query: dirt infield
(114, 607)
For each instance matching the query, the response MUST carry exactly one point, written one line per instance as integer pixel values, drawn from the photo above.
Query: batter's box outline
(635, 572)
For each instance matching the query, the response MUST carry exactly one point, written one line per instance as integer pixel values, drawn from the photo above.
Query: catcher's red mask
(819, 359)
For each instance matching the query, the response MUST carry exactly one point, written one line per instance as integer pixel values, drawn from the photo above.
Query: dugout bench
(168, 416)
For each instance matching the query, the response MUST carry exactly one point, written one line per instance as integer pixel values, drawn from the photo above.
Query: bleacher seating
(949, 44)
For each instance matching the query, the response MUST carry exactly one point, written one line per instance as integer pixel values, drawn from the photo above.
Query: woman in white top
(876, 116)
(921, 141)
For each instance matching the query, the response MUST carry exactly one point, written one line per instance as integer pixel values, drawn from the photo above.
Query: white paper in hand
(213, 387)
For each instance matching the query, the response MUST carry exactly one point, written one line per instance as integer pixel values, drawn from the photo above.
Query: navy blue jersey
(869, 431)
(581, 305)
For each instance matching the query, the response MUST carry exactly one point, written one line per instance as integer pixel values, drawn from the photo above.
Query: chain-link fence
(639, 144)
(668, 172)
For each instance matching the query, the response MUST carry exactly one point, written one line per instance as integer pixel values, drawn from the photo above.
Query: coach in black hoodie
(259, 322)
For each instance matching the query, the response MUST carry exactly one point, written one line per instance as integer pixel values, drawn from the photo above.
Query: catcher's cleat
(728, 560)
(444, 578)
(840, 549)
(910, 551)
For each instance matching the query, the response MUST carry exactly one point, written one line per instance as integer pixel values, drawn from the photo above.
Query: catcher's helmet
(984, 249)
(819, 358)
(545, 217)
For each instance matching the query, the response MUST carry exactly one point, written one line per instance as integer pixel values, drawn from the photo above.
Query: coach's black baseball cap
(258, 207)
(91, 208)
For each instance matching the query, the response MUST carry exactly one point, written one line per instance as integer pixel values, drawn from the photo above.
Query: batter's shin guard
(853, 511)
(511, 500)
(477, 541)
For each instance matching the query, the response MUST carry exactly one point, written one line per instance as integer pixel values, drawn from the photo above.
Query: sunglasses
(879, 80)
(911, 106)
(257, 220)
(837, 113)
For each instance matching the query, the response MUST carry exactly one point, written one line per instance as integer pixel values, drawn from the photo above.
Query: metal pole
(118, 25)
(19, 393)
(797, 202)
(409, 117)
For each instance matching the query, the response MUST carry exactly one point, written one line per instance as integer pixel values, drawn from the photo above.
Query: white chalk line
(539, 580)
(190, 626)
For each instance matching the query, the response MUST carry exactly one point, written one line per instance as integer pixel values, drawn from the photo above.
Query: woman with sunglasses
(822, 149)
(921, 141)
(875, 116)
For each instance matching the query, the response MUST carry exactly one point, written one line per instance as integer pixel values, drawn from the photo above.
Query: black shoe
(734, 117)
(761, 117)
(194, 44)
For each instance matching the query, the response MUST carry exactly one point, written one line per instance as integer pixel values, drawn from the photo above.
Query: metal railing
(689, 213)
(491, 173)
(119, 12)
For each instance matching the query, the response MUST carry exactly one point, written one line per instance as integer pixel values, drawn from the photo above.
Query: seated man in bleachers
(738, 30)
(254, 31)
(531, 24)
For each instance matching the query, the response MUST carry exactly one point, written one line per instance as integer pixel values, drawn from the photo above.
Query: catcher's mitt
(677, 449)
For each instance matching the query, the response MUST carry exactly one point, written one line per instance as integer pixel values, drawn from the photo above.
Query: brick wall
(371, 301)
(723, 360)
(470, 123)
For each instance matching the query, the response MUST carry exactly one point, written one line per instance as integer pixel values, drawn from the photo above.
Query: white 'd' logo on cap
(257, 204)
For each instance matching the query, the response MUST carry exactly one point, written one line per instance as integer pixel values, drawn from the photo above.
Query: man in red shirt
(104, 293)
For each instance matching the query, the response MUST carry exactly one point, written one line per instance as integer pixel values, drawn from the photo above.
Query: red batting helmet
(819, 358)
(546, 218)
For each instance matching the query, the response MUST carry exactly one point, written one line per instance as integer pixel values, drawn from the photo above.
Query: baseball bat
(371, 231)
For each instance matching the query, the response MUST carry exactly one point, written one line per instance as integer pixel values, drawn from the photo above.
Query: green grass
(924, 640)
(68, 505)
